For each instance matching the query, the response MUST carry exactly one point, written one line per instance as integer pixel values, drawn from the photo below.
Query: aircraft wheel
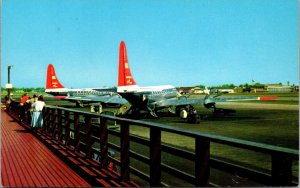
(194, 119)
(183, 114)
(179, 109)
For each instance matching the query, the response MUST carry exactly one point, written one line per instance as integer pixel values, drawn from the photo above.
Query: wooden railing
(95, 139)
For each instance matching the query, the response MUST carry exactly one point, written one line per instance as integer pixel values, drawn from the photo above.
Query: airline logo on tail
(52, 81)
(125, 77)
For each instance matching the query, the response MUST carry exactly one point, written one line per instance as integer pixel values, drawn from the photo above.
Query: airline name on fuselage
(93, 92)
(77, 92)
(165, 91)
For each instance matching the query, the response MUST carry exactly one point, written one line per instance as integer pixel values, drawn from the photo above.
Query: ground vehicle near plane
(82, 95)
(154, 98)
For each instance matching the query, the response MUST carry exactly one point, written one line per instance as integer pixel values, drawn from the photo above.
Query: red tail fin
(125, 77)
(52, 81)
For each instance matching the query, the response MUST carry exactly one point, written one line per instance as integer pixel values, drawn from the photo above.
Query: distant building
(256, 90)
(226, 90)
(185, 90)
(190, 90)
(197, 90)
(280, 88)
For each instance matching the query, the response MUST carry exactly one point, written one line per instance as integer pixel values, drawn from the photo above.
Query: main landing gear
(129, 111)
(189, 113)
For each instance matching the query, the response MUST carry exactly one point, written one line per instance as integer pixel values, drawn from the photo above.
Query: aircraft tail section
(125, 77)
(52, 80)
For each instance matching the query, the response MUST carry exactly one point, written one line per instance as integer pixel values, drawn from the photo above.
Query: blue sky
(177, 42)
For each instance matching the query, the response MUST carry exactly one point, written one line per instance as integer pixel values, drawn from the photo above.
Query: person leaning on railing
(37, 116)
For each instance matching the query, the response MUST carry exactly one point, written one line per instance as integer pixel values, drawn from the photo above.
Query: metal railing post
(103, 142)
(89, 136)
(124, 141)
(53, 119)
(155, 156)
(46, 119)
(67, 128)
(281, 170)
(59, 125)
(202, 168)
(77, 131)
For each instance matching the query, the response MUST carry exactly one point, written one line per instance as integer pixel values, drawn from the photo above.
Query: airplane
(154, 98)
(82, 95)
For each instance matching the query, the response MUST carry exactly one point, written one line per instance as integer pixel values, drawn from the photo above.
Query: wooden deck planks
(25, 161)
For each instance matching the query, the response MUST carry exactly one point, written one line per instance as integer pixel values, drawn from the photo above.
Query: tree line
(26, 89)
(231, 86)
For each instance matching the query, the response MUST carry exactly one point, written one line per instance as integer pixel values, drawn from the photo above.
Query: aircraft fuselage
(65, 92)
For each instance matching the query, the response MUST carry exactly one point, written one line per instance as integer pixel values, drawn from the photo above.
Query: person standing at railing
(23, 100)
(6, 102)
(29, 108)
(37, 116)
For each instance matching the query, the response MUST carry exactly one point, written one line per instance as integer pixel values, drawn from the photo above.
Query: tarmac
(258, 105)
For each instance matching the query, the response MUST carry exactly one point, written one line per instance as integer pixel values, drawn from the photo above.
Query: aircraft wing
(250, 98)
(180, 101)
(115, 99)
(187, 101)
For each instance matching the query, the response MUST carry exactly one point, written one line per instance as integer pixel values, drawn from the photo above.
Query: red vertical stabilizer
(125, 77)
(52, 81)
